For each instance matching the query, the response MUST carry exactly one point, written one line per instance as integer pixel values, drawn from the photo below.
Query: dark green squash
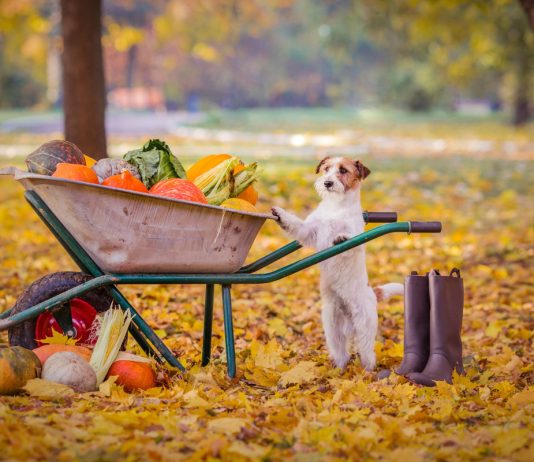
(46, 157)
(17, 366)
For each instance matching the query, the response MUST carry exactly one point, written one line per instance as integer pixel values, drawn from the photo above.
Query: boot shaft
(416, 314)
(447, 302)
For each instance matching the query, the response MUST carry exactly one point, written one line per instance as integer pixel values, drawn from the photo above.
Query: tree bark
(84, 90)
(528, 7)
(522, 110)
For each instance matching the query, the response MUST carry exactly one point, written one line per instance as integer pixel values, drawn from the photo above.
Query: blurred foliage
(288, 402)
(412, 54)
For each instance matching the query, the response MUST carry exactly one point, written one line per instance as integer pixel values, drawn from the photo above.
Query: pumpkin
(70, 369)
(249, 194)
(75, 172)
(239, 204)
(125, 180)
(105, 168)
(205, 164)
(178, 188)
(44, 352)
(17, 366)
(45, 158)
(133, 375)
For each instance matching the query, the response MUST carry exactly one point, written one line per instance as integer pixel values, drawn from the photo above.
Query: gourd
(178, 188)
(17, 366)
(105, 168)
(205, 164)
(133, 375)
(46, 157)
(70, 369)
(125, 180)
(45, 351)
(75, 172)
(239, 204)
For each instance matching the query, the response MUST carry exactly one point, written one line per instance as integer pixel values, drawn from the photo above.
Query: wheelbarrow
(122, 237)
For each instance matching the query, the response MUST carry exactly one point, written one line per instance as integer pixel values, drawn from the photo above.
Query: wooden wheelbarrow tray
(122, 237)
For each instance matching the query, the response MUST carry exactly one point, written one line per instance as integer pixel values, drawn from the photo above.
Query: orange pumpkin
(205, 164)
(125, 180)
(75, 172)
(45, 351)
(178, 188)
(133, 375)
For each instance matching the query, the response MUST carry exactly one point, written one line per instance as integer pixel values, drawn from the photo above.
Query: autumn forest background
(435, 97)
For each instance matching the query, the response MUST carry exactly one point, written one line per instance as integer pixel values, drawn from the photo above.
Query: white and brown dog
(349, 304)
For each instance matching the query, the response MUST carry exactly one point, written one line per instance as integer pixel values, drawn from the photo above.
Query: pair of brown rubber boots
(433, 310)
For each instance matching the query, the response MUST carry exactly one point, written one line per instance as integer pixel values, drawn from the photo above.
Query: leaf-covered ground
(288, 402)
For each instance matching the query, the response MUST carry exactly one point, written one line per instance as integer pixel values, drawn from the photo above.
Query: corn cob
(217, 184)
(113, 330)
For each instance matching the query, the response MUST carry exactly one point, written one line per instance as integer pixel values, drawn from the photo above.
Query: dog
(349, 312)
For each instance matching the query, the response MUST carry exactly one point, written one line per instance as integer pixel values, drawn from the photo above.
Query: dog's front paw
(341, 238)
(276, 212)
(280, 214)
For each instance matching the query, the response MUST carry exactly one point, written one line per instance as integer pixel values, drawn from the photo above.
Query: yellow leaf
(266, 356)
(46, 390)
(303, 372)
(523, 397)
(194, 400)
(511, 440)
(228, 425)
(59, 339)
(251, 450)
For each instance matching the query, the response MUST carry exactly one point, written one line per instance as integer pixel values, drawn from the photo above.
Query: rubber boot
(446, 311)
(416, 324)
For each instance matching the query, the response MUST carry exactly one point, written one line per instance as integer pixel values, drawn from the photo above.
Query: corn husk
(245, 178)
(217, 184)
(113, 330)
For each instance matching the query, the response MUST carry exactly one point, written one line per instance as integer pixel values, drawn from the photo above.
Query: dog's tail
(388, 290)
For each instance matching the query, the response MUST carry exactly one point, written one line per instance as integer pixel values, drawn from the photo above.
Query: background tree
(84, 90)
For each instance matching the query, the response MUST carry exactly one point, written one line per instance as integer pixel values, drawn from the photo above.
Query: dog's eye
(342, 170)
(326, 169)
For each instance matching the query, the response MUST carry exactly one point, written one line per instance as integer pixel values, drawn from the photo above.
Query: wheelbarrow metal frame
(141, 331)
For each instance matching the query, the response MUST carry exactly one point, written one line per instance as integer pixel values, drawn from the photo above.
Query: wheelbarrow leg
(228, 330)
(208, 323)
(144, 328)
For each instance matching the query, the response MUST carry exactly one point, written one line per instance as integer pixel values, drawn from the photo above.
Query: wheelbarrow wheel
(83, 309)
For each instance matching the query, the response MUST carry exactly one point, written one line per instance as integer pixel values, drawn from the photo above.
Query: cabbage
(155, 163)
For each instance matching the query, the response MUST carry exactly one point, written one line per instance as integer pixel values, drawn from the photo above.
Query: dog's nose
(328, 184)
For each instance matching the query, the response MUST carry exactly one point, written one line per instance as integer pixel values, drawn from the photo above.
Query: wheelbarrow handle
(425, 226)
(380, 217)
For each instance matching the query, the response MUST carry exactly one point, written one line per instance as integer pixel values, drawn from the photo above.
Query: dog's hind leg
(335, 328)
(365, 327)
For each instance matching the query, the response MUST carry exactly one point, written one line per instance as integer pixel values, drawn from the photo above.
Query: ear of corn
(221, 182)
(217, 184)
(248, 175)
(113, 330)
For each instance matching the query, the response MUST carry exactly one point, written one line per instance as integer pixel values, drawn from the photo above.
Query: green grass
(369, 120)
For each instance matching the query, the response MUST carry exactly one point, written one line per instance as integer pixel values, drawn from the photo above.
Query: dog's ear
(320, 164)
(363, 171)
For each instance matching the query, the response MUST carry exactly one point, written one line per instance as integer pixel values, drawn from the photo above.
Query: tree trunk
(522, 110)
(132, 59)
(83, 76)
(528, 7)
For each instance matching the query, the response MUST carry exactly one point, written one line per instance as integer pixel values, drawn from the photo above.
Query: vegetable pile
(78, 367)
(218, 179)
